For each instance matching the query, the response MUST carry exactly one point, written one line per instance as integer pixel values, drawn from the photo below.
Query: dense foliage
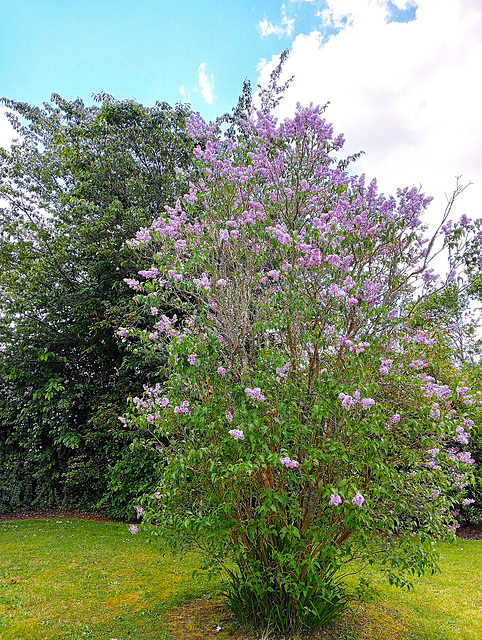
(78, 181)
(305, 423)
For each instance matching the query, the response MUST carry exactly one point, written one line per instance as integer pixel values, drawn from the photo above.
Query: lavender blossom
(358, 499)
(255, 394)
(288, 463)
(237, 434)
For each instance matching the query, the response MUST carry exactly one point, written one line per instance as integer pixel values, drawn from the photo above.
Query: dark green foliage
(472, 514)
(76, 185)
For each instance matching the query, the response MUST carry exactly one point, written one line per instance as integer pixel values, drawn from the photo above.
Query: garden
(249, 356)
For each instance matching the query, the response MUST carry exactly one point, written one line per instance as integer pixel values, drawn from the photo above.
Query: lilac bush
(304, 427)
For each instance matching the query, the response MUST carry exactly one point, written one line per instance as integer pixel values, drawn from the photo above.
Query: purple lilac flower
(229, 416)
(133, 529)
(182, 408)
(465, 457)
(158, 495)
(435, 493)
(349, 401)
(462, 436)
(468, 501)
(221, 371)
(435, 411)
(133, 284)
(203, 282)
(337, 291)
(421, 337)
(333, 260)
(149, 274)
(288, 463)
(255, 394)
(122, 332)
(335, 500)
(385, 366)
(139, 510)
(192, 358)
(237, 434)
(346, 401)
(358, 499)
(179, 246)
(282, 372)
(361, 347)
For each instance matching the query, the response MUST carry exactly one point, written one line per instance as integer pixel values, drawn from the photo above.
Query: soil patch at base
(80, 514)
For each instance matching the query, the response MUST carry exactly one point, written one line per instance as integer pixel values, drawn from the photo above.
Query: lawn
(67, 579)
(86, 579)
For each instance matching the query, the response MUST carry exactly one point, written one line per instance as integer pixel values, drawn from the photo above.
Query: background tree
(77, 182)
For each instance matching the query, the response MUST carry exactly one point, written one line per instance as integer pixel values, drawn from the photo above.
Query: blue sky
(401, 75)
(142, 49)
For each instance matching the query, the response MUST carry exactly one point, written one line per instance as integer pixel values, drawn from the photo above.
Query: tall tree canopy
(76, 183)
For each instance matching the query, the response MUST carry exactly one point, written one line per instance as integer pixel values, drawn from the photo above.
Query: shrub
(303, 425)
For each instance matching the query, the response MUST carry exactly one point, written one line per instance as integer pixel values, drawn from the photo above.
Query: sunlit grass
(446, 606)
(85, 579)
(73, 579)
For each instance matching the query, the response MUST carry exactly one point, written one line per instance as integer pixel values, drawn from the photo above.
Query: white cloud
(206, 84)
(405, 93)
(261, 65)
(284, 29)
(184, 95)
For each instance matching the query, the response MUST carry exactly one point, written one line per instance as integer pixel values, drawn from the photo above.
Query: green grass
(446, 606)
(72, 579)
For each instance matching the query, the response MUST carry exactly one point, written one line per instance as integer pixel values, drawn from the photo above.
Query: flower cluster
(358, 499)
(349, 401)
(237, 434)
(288, 463)
(182, 408)
(255, 394)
